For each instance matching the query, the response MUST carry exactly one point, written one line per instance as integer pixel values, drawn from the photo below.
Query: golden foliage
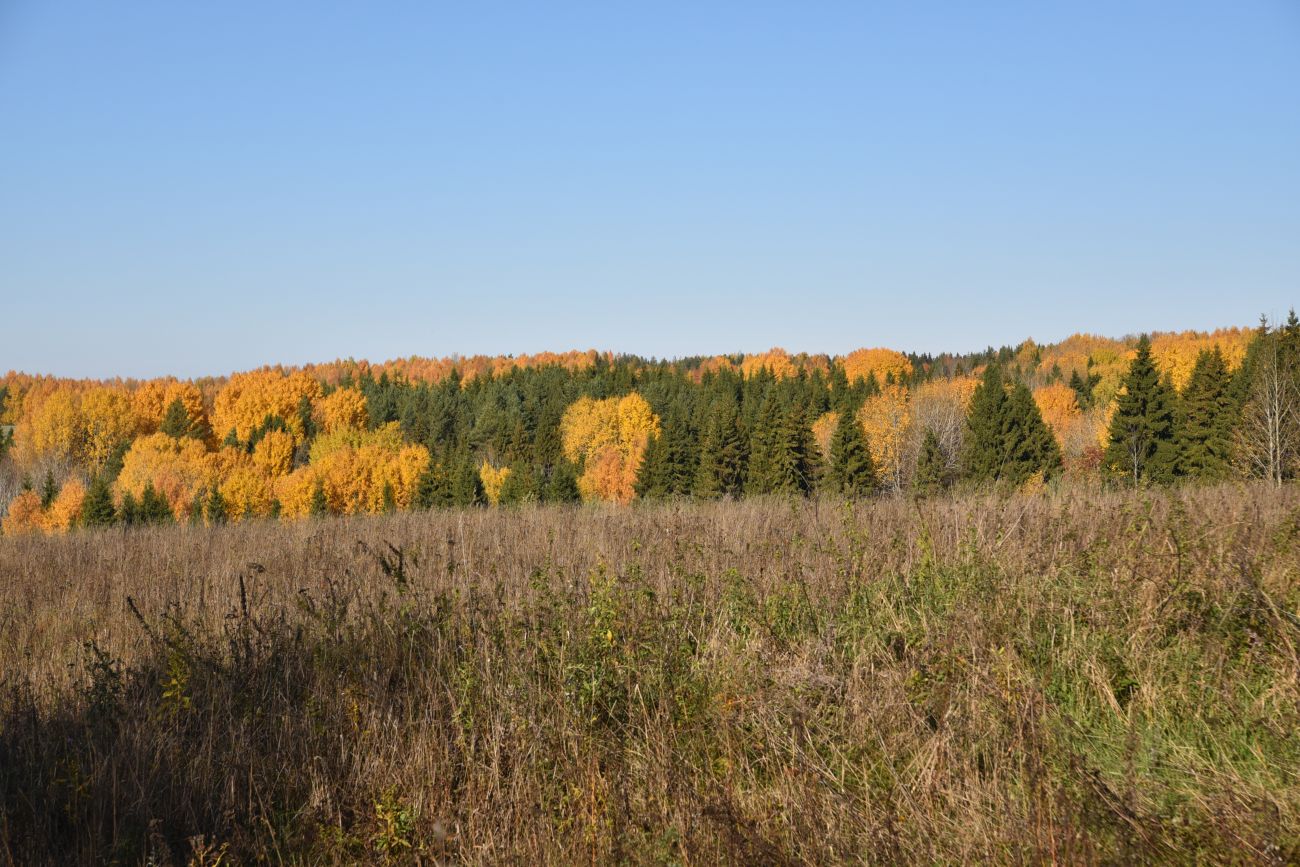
(273, 454)
(150, 402)
(886, 420)
(884, 363)
(608, 438)
(25, 515)
(823, 430)
(1059, 406)
(343, 409)
(776, 360)
(357, 471)
(610, 475)
(65, 511)
(1175, 353)
(177, 469)
(248, 398)
(493, 479)
(84, 426)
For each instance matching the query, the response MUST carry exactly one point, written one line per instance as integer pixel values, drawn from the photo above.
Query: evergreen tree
(466, 485)
(320, 504)
(1006, 438)
(97, 509)
(196, 507)
(1143, 442)
(176, 421)
(982, 454)
(1028, 444)
(931, 474)
(1206, 428)
(669, 464)
(793, 458)
(520, 486)
(49, 490)
(153, 507)
(129, 510)
(762, 473)
(852, 471)
(215, 508)
(562, 486)
(390, 498)
(721, 469)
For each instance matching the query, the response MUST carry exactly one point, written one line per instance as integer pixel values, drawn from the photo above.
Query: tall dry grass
(1075, 678)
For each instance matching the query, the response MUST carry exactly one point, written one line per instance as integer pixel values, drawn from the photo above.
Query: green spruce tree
(721, 469)
(852, 472)
(931, 474)
(97, 509)
(1206, 428)
(1143, 440)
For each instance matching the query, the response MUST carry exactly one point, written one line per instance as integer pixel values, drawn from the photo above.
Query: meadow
(1067, 676)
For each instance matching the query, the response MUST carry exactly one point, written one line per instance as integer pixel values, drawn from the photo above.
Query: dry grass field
(1069, 677)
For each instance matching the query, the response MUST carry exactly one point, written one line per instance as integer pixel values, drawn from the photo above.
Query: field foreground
(1073, 677)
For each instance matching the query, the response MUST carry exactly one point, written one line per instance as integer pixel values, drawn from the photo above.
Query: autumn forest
(350, 437)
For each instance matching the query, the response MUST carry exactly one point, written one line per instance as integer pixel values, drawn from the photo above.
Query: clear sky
(194, 188)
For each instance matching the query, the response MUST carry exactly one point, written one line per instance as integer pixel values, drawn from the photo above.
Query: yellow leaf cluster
(248, 398)
(177, 469)
(26, 515)
(1175, 354)
(84, 426)
(343, 409)
(493, 478)
(776, 360)
(608, 438)
(823, 430)
(884, 363)
(1059, 406)
(151, 400)
(355, 468)
(273, 454)
(886, 420)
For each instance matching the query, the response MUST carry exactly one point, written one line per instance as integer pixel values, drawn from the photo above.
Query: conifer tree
(668, 467)
(49, 490)
(931, 474)
(1006, 438)
(793, 457)
(215, 507)
(320, 504)
(1028, 444)
(153, 507)
(129, 511)
(176, 421)
(466, 485)
(562, 485)
(520, 486)
(97, 509)
(762, 473)
(1206, 428)
(1143, 443)
(721, 468)
(852, 472)
(982, 454)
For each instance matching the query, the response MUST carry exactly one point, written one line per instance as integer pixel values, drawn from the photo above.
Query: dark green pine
(1143, 437)
(97, 509)
(931, 474)
(721, 469)
(852, 472)
(1205, 434)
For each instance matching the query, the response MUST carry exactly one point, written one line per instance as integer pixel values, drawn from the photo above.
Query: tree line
(273, 443)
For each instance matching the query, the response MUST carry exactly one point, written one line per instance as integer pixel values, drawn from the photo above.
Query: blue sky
(194, 188)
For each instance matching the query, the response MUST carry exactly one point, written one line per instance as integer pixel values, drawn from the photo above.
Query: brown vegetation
(1077, 677)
